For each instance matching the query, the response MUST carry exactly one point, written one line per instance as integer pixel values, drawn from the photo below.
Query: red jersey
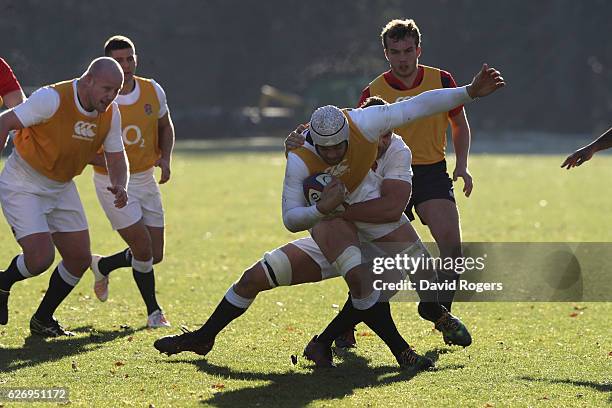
(8, 81)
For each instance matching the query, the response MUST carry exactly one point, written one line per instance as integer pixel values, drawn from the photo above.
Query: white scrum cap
(328, 126)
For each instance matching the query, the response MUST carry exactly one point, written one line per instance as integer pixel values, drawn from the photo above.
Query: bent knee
(142, 251)
(252, 281)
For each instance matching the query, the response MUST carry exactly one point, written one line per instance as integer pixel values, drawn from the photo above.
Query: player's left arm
(165, 134)
(394, 192)
(387, 208)
(166, 145)
(460, 130)
(375, 121)
(116, 160)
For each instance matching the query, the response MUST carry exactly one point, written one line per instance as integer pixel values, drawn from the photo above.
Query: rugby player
(293, 265)
(148, 136)
(59, 130)
(432, 196)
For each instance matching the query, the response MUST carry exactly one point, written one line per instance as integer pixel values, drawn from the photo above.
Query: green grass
(223, 212)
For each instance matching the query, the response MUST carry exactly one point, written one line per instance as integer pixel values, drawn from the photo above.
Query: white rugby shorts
(367, 232)
(310, 247)
(144, 201)
(33, 203)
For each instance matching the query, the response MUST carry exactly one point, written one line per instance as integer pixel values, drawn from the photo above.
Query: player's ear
(418, 51)
(89, 79)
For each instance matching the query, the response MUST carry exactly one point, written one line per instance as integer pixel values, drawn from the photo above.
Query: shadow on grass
(298, 389)
(605, 387)
(601, 387)
(37, 350)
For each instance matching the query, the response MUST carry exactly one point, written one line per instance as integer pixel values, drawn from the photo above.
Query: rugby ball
(313, 187)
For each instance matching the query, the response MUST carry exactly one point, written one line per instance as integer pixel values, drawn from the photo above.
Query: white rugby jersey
(373, 122)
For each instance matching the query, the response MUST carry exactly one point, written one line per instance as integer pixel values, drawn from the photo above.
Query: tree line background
(212, 57)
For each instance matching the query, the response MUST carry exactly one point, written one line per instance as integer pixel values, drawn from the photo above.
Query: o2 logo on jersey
(132, 136)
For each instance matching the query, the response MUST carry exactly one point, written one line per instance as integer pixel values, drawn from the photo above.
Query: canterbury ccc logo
(339, 169)
(84, 130)
(403, 98)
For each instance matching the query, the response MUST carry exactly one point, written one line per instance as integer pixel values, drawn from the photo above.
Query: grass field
(223, 212)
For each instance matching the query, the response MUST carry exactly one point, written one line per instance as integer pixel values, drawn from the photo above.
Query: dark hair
(373, 101)
(400, 29)
(118, 42)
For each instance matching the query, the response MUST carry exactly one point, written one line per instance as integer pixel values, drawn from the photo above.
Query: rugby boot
(410, 360)
(187, 341)
(100, 281)
(319, 353)
(453, 330)
(346, 340)
(157, 319)
(48, 329)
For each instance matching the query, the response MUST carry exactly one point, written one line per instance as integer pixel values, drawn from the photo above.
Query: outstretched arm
(584, 154)
(375, 121)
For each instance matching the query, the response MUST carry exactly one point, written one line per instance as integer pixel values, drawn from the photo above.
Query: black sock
(221, 317)
(431, 311)
(378, 318)
(345, 320)
(109, 263)
(446, 296)
(146, 285)
(56, 293)
(429, 306)
(10, 275)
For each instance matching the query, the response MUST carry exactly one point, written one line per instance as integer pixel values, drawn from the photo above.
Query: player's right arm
(41, 106)
(8, 121)
(297, 214)
(586, 153)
